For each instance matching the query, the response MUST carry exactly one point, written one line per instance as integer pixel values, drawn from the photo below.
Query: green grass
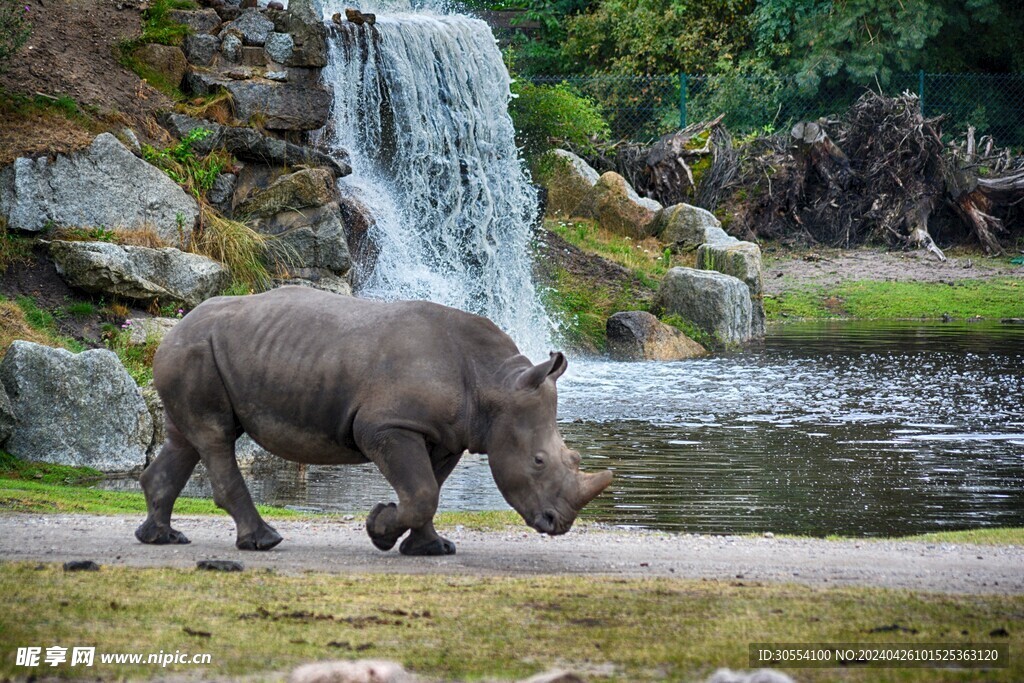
(581, 307)
(13, 468)
(470, 627)
(646, 259)
(43, 322)
(999, 536)
(875, 300)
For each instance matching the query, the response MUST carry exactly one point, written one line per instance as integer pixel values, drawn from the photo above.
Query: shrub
(552, 115)
(179, 161)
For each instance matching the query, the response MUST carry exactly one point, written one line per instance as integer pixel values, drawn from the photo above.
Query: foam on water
(421, 106)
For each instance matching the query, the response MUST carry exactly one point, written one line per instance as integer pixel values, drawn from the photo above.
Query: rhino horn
(593, 484)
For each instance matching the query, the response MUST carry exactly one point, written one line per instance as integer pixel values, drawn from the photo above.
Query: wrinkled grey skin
(319, 378)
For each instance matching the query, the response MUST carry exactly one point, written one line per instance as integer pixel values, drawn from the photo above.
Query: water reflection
(828, 428)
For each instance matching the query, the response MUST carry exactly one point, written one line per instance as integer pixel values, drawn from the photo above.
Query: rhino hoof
(263, 538)
(381, 540)
(159, 534)
(438, 546)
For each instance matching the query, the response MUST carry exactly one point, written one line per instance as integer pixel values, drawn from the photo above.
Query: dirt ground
(72, 52)
(343, 547)
(786, 270)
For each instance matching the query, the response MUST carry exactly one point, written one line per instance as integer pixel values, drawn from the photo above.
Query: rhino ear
(550, 369)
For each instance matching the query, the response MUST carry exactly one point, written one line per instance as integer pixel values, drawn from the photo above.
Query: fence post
(682, 101)
(920, 89)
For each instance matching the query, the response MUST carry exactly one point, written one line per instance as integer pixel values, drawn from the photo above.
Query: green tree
(658, 36)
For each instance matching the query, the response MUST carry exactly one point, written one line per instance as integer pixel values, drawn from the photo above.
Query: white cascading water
(421, 106)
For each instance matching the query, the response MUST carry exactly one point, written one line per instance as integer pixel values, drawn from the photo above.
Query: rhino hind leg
(162, 482)
(403, 459)
(231, 494)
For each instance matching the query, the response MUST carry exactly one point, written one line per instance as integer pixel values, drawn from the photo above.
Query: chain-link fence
(642, 108)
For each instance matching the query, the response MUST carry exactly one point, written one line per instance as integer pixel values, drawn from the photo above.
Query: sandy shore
(343, 547)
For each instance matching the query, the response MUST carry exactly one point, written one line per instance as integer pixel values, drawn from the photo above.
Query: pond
(827, 428)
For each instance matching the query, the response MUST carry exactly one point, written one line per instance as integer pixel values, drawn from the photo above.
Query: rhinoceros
(320, 378)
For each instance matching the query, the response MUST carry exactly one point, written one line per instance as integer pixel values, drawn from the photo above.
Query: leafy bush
(14, 29)
(551, 115)
(137, 359)
(158, 28)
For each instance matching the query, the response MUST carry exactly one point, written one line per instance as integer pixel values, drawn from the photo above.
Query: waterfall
(420, 105)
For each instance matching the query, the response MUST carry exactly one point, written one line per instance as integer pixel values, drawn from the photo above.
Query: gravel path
(342, 546)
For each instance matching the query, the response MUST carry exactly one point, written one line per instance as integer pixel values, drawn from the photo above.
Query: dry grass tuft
(14, 325)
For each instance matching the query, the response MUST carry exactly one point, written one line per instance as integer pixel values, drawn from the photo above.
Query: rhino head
(536, 473)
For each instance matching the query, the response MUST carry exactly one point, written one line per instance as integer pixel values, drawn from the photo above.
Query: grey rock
(280, 76)
(155, 406)
(741, 260)
(143, 330)
(359, 222)
(759, 676)
(568, 183)
(638, 335)
(7, 419)
(615, 205)
(75, 409)
(250, 145)
(201, 21)
(304, 11)
(555, 676)
(684, 228)
(130, 140)
(231, 46)
(104, 185)
(303, 189)
(250, 454)
(251, 26)
(220, 566)
(308, 33)
(281, 106)
(312, 238)
(201, 48)
(279, 47)
(360, 671)
(166, 60)
(717, 304)
(222, 192)
(322, 281)
(139, 272)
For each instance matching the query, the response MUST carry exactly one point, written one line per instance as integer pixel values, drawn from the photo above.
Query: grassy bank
(877, 300)
(474, 627)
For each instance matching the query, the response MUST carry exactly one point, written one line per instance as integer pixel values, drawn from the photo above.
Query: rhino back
(305, 370)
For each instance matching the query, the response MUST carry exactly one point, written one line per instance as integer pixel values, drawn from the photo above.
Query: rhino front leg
(162, 483)
(403, 459)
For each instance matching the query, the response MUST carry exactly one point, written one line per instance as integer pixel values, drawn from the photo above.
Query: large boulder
(568, 182)
(250, 145)
(309, 35)
(303, 189)
(742, 260)
(155, 406)
(685, 228)
(104, 185)
(279, 47)
(201, 48)
(139, 272)
(200, 21)
(75, 409)
(717, 304)
(615, 205)
(311, 241)
(8, 421)
(251, 26)
(280, 106)
(167, 61)
(359, 222)
(638, 335)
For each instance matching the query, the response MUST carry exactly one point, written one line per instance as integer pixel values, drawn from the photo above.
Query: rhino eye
(538, 460)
